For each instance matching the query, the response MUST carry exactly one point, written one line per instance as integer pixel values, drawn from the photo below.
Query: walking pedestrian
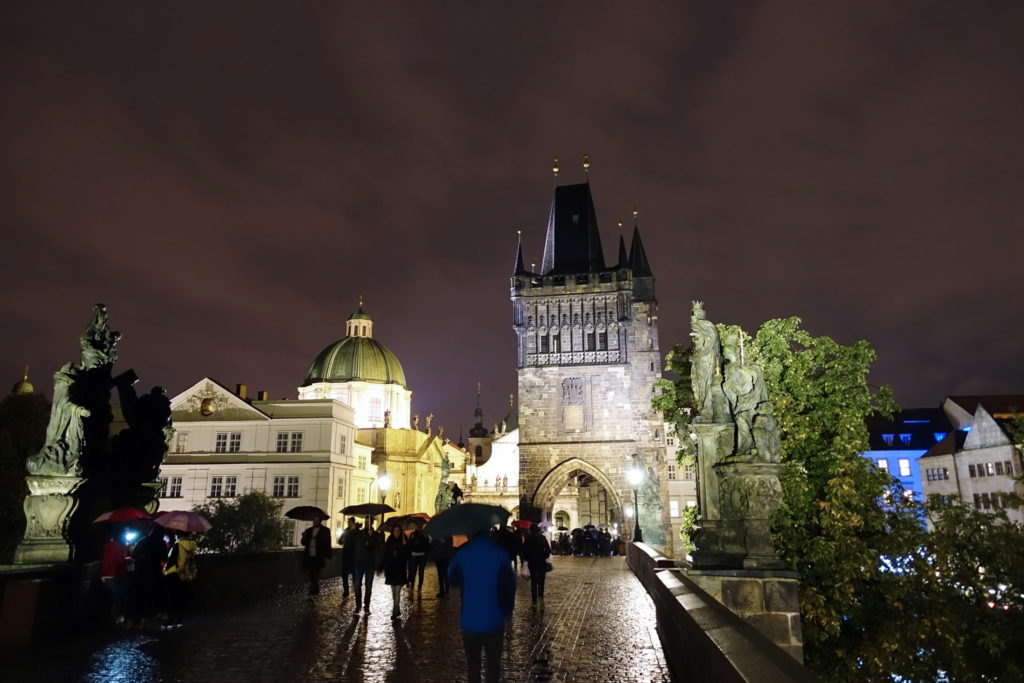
(510, 542)
(316, 550)
(146, 589)
(347, 550)
(441, 553)
(419, 545)
(179, 571)
(536, 552)
(364, 563)
(395, 565)
(484, 572)
(112, 578)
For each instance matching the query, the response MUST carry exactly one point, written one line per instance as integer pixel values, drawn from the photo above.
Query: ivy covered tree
(250, 523)
(881, 596)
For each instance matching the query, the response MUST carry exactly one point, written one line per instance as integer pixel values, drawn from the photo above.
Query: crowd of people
(146, 580)
(586, 542)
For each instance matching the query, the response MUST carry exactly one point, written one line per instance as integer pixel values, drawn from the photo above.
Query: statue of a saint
(706, 364)
(387, 419)
(80, 415)
(741, 391)
(443, 499)
(416, 422)
(430, 418)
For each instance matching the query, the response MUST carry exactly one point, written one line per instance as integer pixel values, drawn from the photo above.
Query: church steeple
(623, 256)
(478, 429)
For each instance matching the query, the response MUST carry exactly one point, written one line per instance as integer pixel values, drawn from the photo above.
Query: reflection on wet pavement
(597, 625)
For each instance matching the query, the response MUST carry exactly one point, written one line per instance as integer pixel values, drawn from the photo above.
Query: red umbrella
(122, 515)
(522, 524)
(182, 520)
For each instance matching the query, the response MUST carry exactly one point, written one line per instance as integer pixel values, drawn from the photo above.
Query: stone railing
(702, 639)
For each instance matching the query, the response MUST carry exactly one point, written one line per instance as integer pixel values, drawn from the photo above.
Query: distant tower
(587, 359)
(479, 437)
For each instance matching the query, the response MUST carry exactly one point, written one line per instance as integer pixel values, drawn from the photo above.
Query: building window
(282, 442)
(1009, 468)
(296, 444)
(670, 440)
(971, 471)
(544, 343)
(672, 475)
(591, 344)
(904, 467)
(376, 410)
(216, 487)
(986, 503)
(230, 487)
(990, 469)
(883, 464)
(556, 346)
(182, 443)
(235, 442)
(277, 490)
(228, 442)
(905, 438)
(162, 493)
(673, 507)
(937, 474)
(888, 438)
(341, 485)
(361, 493)
(175, 490)
(342, 444)
(602, 341)
(977, 501)
(221, 444)
(999, 469)
(689, 471)
(293, 487)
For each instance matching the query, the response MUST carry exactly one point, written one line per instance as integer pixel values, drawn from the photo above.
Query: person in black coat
(395, 565)
(316, 550)
(536, 552)
(441, 552)
(419, 546)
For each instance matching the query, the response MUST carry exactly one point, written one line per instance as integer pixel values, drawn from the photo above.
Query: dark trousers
(417, 565)
(359, 572)
(346, 570)
(177, 595)
(442, 575)
(314, 577)
(538, 572)
(490, 643)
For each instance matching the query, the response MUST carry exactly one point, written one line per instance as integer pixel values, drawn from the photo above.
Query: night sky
(229, 178)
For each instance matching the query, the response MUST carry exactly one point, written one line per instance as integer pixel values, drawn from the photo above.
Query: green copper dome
(356, 358)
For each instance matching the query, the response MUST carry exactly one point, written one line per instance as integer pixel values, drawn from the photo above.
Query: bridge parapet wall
(702, 638)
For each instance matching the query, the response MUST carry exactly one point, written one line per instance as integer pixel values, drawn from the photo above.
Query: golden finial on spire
(533, 266)
(478, 387)
(586, 165)
(25, 376)
(554, 167)
(636, 211)
(519, 231)
(360, 301)
(620, 227)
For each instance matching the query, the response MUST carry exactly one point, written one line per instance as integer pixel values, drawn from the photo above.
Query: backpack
(189, 570)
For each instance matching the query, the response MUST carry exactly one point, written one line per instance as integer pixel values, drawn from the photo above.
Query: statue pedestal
(768, 600)
(48, 509)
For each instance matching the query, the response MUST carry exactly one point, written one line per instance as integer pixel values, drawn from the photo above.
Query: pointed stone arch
(558, 477)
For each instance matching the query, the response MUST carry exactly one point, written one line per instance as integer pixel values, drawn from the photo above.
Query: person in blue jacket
(488, 584)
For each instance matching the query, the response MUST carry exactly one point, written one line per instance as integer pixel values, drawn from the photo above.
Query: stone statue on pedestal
(443, 499)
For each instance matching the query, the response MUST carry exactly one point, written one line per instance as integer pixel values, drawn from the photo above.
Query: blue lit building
(897, 444)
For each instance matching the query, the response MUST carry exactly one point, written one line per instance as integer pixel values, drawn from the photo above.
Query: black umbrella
(589, 526)
(367, 509)
(412, 522)
(467, 519)
(306, 513)
(563, 528)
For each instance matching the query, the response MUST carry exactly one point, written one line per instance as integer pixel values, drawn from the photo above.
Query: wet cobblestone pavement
(597, 625)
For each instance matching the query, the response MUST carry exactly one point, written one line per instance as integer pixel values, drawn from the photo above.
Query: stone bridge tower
(587, 359)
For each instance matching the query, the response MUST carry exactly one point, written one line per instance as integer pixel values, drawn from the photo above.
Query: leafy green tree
(882, 598)
(23, 420)
(251, 522)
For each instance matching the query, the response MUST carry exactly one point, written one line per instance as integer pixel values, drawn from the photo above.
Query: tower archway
(581, 474)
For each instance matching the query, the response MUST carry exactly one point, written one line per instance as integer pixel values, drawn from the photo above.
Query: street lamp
(636, 477)
(383, 484)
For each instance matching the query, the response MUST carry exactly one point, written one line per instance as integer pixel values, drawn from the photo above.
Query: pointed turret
(572, 243)
(638, 257)
(520, 263)
(478, 430)
(623, 256)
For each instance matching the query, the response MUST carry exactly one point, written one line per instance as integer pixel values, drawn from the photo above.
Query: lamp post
(383, 484)
(636, 477)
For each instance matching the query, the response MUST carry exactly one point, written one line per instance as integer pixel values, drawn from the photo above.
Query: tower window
(602, 341)
(544, 344)
(590, 341)
(555, 346)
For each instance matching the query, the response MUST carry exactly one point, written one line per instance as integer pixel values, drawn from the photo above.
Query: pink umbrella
(182, 520)
(122, 515)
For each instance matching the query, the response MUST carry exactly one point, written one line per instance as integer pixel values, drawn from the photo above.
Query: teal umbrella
(466, 519)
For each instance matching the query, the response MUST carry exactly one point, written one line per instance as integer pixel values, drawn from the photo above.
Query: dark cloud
(231, 178)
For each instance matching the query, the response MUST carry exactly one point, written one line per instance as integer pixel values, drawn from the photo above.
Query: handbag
(524, 571)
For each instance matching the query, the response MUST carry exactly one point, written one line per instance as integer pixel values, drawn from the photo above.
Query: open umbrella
(522, 524)
(545, 525)
(563, 528)
(589, 526)
(367, 509)
(122, 515)
(411, 522)
(183, 520)
(466, 519)
(306, 513)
